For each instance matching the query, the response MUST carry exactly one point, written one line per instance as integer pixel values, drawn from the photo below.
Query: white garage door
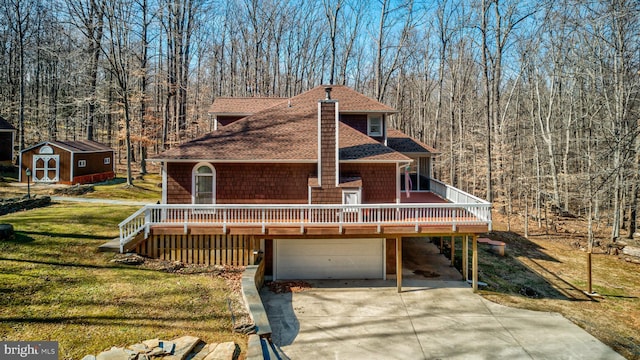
(329, 259)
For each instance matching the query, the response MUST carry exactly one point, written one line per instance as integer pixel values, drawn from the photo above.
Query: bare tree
(88, 17)
(19, 18)
(332, 19)
(119, 55)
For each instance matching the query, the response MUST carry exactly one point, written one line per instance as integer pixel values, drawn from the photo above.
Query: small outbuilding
(67, 162)
(7, 141)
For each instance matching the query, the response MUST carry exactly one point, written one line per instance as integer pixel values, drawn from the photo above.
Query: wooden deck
(444, 211)
(359, 230)
(423, 197)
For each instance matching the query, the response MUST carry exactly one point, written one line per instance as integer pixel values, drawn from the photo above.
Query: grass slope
(55, 286)
(146, 189)
(548, 273)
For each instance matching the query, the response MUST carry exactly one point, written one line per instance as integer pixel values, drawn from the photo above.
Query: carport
(465, 259)
(361, 258)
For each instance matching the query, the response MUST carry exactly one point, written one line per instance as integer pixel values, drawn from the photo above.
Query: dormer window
(374, 125)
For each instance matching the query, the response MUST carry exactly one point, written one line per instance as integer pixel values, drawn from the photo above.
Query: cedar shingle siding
(328, 193)
(378, 181)
(280, 183)
(244, 183)
(356, 121)
(262, 183)
(179, 183)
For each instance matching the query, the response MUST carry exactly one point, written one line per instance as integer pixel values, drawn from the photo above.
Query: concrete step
(112, 245)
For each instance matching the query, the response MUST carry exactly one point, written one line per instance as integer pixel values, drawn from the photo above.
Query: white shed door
(329, 259)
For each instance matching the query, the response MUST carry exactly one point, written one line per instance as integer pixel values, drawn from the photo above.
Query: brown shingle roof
(81, 146)
(242, 106)
(288, 131)
(5, 125)
(399, 141)
(75, 146)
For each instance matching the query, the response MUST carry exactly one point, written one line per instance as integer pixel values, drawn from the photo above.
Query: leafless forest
(533, 105)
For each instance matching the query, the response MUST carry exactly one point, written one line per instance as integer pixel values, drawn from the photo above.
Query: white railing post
(121, 239)
(185, 220)
(301, 215)
(224, 221)
(147, 222)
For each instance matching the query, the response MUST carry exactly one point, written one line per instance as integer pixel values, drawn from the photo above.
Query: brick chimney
(328, 168)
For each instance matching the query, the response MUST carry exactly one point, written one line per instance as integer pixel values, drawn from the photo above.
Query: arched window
(204, 184)
(46, 150)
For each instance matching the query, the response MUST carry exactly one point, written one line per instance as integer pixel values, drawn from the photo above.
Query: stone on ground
(6, 232)
(116, 353)
(204, 351)
(151, 343)
(139, 348)
(183, 347)
(224, 351)
(631, 251)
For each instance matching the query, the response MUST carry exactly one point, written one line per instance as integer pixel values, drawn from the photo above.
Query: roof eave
(369, 111)
(421, 153)
(388, 161)
(227, 161)
(229, 113)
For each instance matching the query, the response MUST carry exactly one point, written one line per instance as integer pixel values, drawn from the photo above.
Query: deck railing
(457, 196)
(303, 216)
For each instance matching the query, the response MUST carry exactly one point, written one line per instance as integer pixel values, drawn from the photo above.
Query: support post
(453, 250)
(441, 244)
(465, 257)
(399, 263)
(589, 279)
(475, 264)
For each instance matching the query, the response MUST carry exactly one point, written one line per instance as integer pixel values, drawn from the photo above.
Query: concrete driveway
(430, 319)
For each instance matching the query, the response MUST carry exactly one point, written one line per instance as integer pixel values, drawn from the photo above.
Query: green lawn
(147, 189)
(54, 285)
(144, 189)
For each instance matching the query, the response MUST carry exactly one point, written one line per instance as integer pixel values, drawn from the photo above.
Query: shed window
(82, 163)
(107, 160)
(374, 125)
(46, 150)
(204, 184)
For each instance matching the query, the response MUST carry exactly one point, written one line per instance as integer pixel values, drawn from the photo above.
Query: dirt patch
(427, 273)
(74, 190)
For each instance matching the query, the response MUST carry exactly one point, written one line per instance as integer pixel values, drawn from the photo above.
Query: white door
(329, 259)
(46, 168)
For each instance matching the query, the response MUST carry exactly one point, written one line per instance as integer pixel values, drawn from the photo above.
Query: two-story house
(318, 184)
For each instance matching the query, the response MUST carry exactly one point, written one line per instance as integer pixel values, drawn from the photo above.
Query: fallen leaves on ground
(296, 286)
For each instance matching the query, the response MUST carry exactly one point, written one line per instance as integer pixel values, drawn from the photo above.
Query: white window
(107, 160)
(374, 125)
(204, 184)
(46, 150)
(351, 197)
(82, 163)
